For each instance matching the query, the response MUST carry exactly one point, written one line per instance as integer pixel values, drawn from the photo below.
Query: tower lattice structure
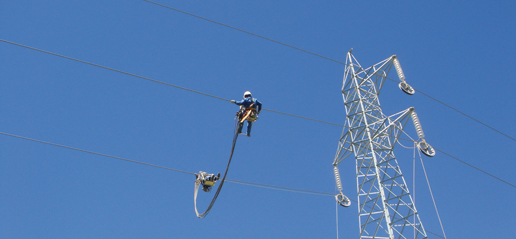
(385, 206)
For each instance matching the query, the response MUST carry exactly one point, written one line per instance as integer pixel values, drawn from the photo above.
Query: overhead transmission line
(453, 157)
(95, 153)
(497, 178)
(198, 92)
(244, 31)
(288, 189)
(156, 81)
(260, 185)
(213, 96)
(324, 57)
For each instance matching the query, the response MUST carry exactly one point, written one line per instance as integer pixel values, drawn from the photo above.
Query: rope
(204, 214)
(414, 173)
(414, 182)
(431, 194)
(337, 217)
(404, 145)
(434, 234)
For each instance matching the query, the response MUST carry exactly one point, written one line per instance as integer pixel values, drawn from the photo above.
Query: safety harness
(248, 113)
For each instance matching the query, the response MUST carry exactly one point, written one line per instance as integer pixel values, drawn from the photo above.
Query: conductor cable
(287, 189)
(156, 81)
(324, 57)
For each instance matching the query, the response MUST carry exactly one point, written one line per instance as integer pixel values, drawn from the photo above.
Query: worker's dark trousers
(249, 125)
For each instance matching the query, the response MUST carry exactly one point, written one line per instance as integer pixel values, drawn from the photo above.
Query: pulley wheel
(406, 88)
(426, 149)
(343, 200)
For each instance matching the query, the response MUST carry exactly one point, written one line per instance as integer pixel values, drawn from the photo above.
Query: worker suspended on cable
(207, 180)
(249, 110)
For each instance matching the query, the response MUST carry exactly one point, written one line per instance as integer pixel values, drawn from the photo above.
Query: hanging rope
(431, 194)
(407, 147)
(204, 214)
(414, 181)
(337, 217)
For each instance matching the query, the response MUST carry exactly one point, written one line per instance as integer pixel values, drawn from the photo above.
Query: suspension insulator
(417, 124)
(403, 85)
(398, 69)
(337, 178)
(423, 146)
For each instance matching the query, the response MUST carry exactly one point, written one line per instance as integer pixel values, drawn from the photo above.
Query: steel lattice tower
(385, 206)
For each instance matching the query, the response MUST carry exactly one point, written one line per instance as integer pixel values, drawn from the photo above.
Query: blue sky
(459, 52)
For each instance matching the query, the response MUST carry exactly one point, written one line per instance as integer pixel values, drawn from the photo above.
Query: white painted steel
(385, 207)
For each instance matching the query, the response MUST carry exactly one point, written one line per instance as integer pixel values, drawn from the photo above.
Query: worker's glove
(233, 101)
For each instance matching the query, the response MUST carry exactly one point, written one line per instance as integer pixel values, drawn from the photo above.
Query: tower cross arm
(344, 150)
(400, 121)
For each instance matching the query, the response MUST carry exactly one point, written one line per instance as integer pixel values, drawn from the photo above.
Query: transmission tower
(385, 206)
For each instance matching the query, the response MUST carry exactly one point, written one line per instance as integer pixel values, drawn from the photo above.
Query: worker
(207, 180)
(249, 110)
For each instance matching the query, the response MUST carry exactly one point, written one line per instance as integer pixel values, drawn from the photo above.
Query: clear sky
(459, 52)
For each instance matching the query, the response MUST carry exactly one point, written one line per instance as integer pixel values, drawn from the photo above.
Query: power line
(316, 120)
(250, 33)
(478, 121)
(236, 181)
(281, 188)
(198, 92)
(220, 98)
(260, 185)
(324, 57)
(111, 69)
(156, 81)
(295, 190)
(95, 153)
(453, 157)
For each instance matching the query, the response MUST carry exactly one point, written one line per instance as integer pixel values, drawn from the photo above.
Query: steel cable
(327, 58)
(156, 81)
(453, 157)
(267, 186)
(287, 189)
(95, 153)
